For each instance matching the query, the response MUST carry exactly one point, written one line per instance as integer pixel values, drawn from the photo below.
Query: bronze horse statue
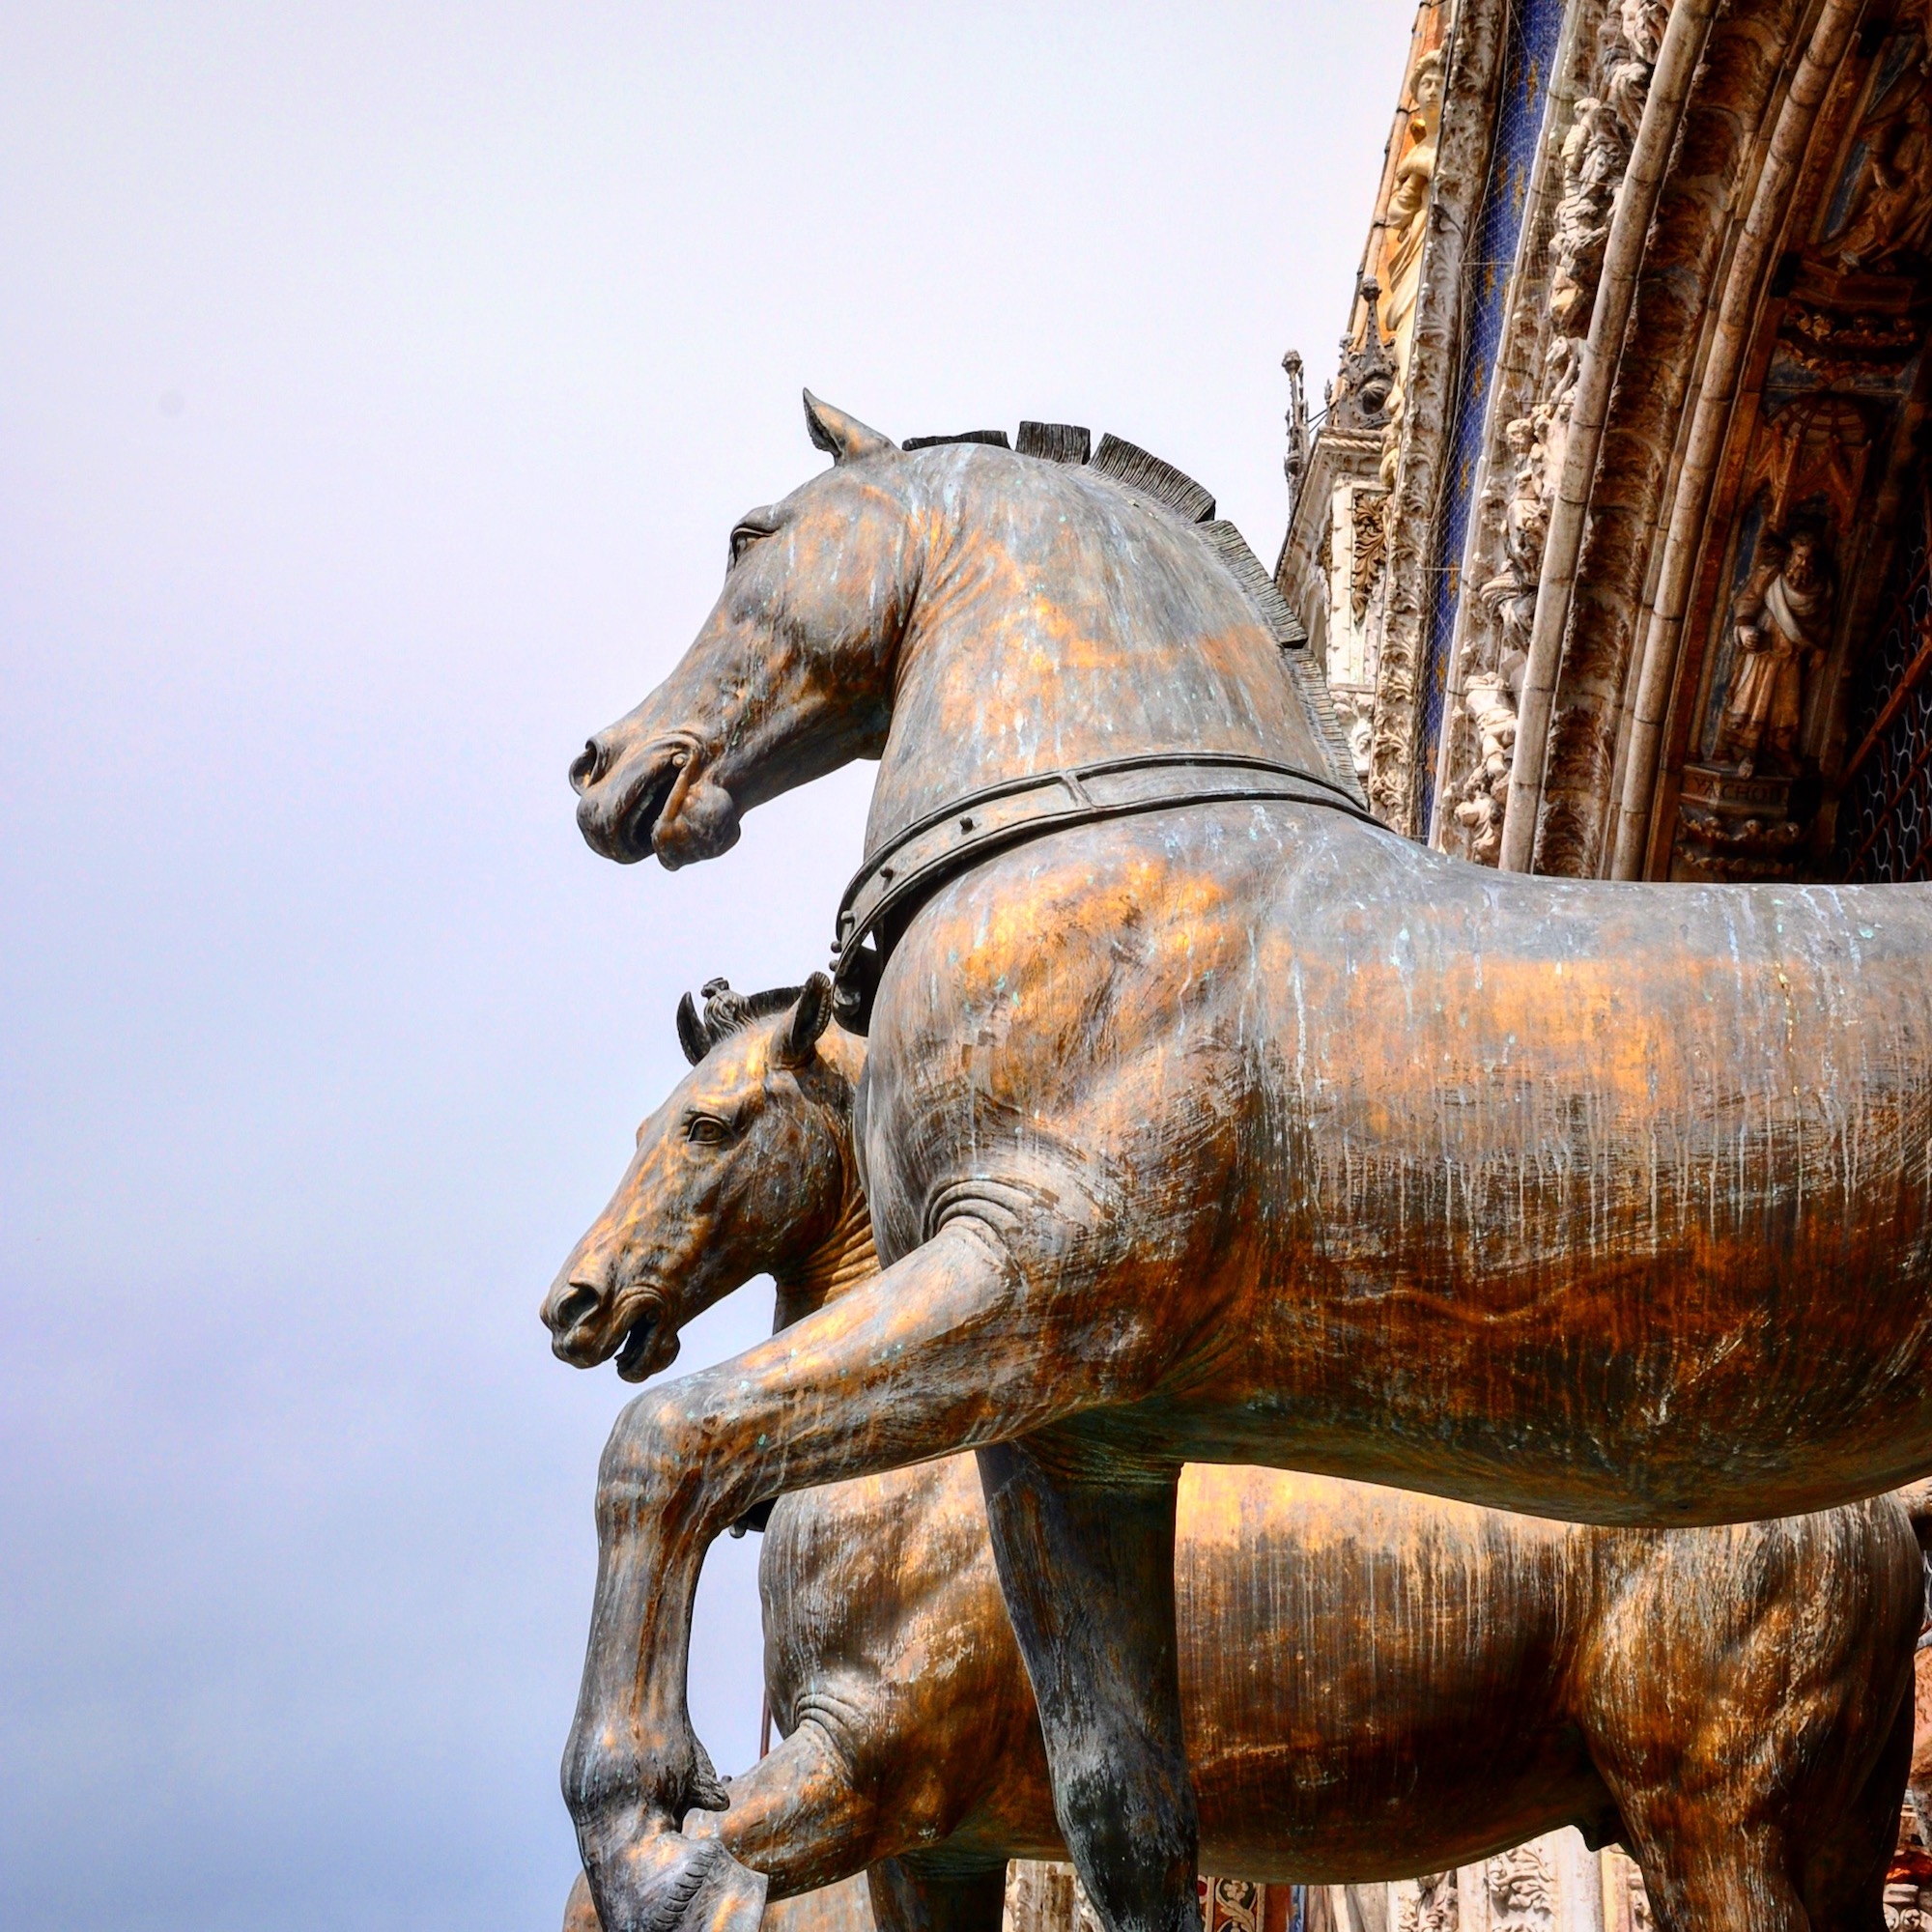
(1373, 1684)
(1206, 1121)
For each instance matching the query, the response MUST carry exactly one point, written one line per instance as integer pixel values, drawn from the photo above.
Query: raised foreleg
(930, 1356)
(1087, 1570)
(799, 1818)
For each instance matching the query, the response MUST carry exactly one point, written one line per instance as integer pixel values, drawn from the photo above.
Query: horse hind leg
(1738, 1882)
(1087, 1569)
(1843, 1879)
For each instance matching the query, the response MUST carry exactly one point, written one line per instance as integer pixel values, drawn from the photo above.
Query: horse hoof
(707, 1789)
(670, 1882)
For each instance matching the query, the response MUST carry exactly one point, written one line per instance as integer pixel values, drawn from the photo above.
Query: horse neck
(836, 1266)
(1059, 621)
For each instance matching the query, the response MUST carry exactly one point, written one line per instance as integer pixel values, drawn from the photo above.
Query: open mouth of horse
(646, 1348)
(639, 819)
(618, 809)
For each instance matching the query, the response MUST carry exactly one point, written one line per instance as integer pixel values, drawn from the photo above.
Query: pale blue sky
(377, 385)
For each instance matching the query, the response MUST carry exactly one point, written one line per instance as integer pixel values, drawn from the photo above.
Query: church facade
(1612, 526)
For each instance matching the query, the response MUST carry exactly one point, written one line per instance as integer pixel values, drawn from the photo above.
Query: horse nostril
(576, 1308)
(587, 767)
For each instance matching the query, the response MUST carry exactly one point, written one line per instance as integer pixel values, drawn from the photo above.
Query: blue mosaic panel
(1885, 816)
(1529, 52)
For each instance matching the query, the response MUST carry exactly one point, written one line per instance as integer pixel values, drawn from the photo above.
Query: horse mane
(726, 1012)
(1149, 475)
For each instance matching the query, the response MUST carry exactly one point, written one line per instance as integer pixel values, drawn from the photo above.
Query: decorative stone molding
(1046, 1896)
(1232, 1905)
(1626, 1903)
(1471, 67)
(1597, 103)
(1737, 84)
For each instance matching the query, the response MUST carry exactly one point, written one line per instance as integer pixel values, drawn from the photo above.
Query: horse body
(1589, 1198)
(1580, 1199)
(1373, 1683)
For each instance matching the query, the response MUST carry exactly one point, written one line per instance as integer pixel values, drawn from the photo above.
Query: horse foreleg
(926, 1358)
(1088, 1571)
(797, 1817)
(800, 1816)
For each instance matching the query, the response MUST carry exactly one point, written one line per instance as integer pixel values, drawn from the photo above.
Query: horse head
(968, 611)
(746, 1169)
(814, 593)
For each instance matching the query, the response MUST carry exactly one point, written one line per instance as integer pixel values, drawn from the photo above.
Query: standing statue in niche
(1406, 220)
(1783, 625)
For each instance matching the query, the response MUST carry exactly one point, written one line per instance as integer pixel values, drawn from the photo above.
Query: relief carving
(1890, 220)
(1521, 1883)
(1626, 1900)
(1436, 1904)
(1371, 537)
(1406, 218)
(1231, 1905)
(1514, 514)
(1475, 58)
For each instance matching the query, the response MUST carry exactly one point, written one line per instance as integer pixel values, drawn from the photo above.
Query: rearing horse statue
(1204, 1123)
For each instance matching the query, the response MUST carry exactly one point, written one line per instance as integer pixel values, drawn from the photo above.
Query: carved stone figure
(1783, 625)
(1370, 1682)
(1207, 1120)
(1892, 216)
(1525, 520)
(1436, 1904)
(1492, 707)
(1359, 396)
(1406, 218)
(1596, 154)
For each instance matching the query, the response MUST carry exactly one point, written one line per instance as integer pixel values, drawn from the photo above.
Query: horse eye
(707, 1131)
(744, 536)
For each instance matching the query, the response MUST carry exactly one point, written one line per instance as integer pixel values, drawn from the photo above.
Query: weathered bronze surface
(1235, 1133)
(1373, 1684)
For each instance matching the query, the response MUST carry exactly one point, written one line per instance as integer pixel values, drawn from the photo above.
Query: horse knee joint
(656, 1436)
(594, 1777)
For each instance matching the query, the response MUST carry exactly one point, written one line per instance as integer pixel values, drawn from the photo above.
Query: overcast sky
(377, 385)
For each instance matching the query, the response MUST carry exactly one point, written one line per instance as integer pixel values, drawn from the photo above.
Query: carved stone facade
(1646, 598)
(1344, 466)
(1551, 1883)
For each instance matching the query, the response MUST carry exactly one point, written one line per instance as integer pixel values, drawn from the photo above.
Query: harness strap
(897, 877)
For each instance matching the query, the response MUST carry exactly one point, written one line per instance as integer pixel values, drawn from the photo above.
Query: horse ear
(797, 1035)
(842, 437)
(691, 1033)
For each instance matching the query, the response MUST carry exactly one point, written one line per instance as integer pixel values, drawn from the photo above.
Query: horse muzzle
(656, 799)
(588, 1325)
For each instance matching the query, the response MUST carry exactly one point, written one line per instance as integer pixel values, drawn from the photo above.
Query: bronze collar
(892, 884)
